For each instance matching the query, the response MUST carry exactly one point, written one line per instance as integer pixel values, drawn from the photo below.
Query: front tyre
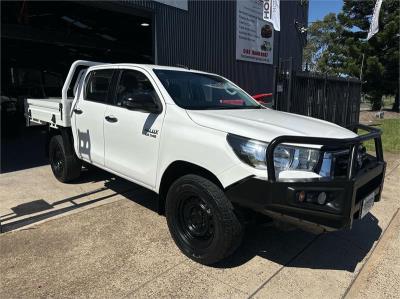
(201, 220)
(65, 167)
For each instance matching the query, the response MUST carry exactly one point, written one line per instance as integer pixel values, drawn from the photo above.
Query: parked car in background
(8, 112)
(8, 106)
(22, 82)
(265, 99)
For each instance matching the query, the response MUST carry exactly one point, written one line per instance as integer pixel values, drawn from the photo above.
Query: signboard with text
(254, 36)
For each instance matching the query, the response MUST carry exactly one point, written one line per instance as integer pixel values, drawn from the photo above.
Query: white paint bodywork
(194, 136)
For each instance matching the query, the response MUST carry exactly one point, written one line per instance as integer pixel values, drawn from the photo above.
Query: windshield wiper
(256, 107)
(242, 107)
(222, 107)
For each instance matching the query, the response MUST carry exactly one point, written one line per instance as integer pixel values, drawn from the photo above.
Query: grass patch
(390, 136)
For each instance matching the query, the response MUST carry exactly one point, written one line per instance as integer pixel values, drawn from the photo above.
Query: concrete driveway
(102, 237)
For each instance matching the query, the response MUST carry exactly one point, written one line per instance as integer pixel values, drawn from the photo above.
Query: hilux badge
(150, 132)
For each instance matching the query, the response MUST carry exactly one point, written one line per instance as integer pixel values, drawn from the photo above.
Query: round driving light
(302, 196)
(321, 198)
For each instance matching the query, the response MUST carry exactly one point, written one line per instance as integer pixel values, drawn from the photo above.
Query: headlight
(295, 158)
(250, 151)
(253, 152)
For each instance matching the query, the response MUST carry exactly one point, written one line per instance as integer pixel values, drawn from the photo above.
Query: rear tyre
(65, 167)
(201, 220)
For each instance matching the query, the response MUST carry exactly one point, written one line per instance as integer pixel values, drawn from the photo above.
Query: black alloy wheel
(196, 222)
(58, 161)
(201, 220)
(64, 163)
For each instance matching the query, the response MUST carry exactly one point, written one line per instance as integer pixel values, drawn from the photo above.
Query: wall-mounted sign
(254, 36)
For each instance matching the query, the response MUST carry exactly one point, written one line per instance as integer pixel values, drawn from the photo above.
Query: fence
(334, 99)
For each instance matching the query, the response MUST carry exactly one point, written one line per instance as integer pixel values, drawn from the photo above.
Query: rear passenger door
(88, 114)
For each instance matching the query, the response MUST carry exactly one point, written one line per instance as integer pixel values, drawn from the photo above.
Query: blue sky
(320, 8)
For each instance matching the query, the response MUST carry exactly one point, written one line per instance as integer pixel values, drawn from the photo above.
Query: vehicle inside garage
(40, 40)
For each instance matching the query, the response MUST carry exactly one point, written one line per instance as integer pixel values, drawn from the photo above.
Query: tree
(339, 47)
(381, 72)
(321, 53)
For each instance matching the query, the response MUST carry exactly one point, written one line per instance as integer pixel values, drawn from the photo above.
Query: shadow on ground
(48, 210)
(341, 250)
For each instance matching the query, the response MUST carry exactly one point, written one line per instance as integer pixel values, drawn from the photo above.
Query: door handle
(78, 111)
(111, 119)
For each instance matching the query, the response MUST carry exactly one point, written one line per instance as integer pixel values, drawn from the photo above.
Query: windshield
(195, 91)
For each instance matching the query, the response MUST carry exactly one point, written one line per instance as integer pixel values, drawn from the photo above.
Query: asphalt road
(102, 237)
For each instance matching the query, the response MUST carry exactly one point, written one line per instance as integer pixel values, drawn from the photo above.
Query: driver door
(132, 137)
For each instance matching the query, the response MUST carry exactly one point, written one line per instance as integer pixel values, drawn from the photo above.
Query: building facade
(204, 37)
(43, 38)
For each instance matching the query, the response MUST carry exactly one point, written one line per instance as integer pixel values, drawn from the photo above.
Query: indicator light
(301, 196)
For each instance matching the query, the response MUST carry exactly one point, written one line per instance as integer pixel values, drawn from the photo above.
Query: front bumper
(279, 199)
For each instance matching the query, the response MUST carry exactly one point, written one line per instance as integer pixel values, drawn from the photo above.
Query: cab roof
(148, 67)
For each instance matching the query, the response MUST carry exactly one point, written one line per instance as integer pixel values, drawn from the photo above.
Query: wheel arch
(66, 134)
(178, 169)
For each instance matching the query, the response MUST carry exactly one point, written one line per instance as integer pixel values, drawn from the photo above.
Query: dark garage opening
(40, 40)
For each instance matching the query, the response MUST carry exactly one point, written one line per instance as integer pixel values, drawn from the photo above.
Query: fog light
(321, 198)
(301, 196)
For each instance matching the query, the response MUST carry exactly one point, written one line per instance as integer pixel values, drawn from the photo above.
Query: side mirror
(142, 102)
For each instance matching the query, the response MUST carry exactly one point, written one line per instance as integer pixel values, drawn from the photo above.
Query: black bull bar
(279, 198)
(329, 144)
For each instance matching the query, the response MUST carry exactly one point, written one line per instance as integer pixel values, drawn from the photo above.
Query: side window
(97, 85)
(134, 85)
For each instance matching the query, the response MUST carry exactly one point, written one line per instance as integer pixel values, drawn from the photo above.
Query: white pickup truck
(209, 151)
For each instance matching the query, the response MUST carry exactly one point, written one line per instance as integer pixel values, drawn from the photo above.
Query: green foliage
(390, 136)
(320, 52)
(336, 46)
